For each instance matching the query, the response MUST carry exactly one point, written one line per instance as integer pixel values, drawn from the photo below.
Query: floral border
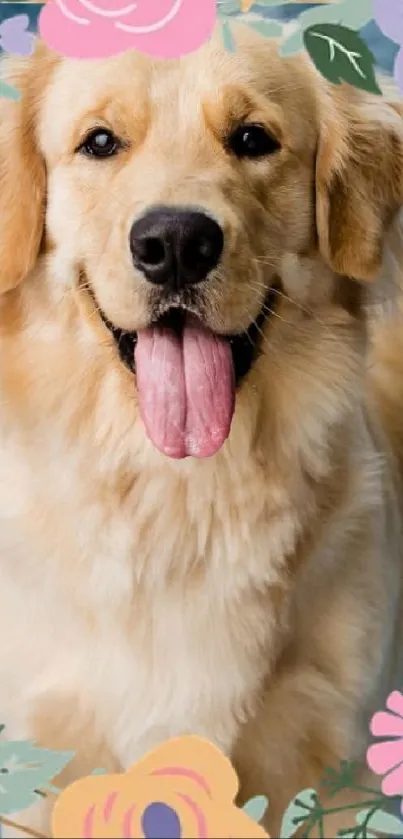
(328, 31)
(27, 772)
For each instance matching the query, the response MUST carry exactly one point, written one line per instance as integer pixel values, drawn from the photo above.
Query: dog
(201, 428)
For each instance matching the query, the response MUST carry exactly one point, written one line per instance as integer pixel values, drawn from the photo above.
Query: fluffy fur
(254, 597)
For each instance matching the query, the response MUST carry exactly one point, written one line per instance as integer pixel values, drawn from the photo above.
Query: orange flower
(184, 788)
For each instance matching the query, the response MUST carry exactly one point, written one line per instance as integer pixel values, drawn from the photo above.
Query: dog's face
(169, 184)
(176, 192)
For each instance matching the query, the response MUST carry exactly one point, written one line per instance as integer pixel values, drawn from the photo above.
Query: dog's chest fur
(157, 595)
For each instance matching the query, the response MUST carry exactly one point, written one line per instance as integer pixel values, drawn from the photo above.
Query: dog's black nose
(176, 247)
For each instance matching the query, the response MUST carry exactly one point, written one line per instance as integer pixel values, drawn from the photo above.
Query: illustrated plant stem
(27, 830)
(317, 818)
(366, 821)
(369, 790)
(321, 828)
(373, 802)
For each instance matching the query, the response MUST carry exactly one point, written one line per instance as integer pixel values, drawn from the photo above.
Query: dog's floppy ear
(359, 180)
(22, 177)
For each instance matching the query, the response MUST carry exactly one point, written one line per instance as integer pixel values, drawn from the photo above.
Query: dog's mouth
(187, 377)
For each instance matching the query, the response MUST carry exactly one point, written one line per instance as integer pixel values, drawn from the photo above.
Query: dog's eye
(252, 141)
(100, 143)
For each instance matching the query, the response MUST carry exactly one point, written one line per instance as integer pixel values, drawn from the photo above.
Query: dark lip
(244, 346)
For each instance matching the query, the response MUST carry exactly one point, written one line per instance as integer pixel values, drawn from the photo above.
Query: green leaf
(9, 92)
(227, 37)
(256, 807)
(268, 28)
(298, 811)
(341, 55)
(382, 822)
(25, 768)
(99, 772)
(336, 780)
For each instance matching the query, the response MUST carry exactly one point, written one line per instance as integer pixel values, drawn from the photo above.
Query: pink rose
(102, 28)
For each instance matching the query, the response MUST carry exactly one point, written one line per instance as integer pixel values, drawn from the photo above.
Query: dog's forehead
(255, 64)
(213, 66)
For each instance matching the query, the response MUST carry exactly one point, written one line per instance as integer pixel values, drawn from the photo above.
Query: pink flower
(101, 28)
(386, 758)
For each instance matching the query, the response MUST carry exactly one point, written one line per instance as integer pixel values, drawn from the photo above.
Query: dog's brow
(228, 107)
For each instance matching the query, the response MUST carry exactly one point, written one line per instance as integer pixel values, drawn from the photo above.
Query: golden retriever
(201, 437)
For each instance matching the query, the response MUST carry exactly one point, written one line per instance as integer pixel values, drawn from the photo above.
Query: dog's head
(183, 199)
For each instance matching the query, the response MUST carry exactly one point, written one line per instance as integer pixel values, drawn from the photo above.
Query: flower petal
(11, 24)
(394, 703)
(382, 757)
(384, 724)
(14, 36)
(388, 14)
(157, 28)
(392, 784)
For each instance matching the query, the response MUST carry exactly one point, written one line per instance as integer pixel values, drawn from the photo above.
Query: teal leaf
(256, 807)
(228, 7)
(24, 768)
(341, 55)
(227, 37)
(51, 788)
(268, 3)
(355, 15)
(267, 28)
(293, 44)
(355, 833)
(347, 13)
(99, 772)
(344, 13)
(9, 92)
(382, 822)
(298, 811)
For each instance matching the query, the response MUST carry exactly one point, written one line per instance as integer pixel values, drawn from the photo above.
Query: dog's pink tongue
(186, 389)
